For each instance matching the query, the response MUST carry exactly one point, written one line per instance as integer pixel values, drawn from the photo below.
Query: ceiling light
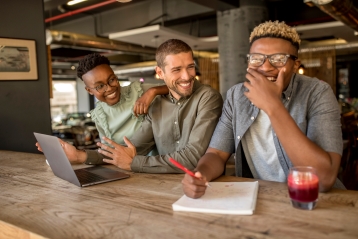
(73, 2)
(123, 1)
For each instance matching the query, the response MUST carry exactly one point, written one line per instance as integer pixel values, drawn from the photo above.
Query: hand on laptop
(121, 156)
(73, 155)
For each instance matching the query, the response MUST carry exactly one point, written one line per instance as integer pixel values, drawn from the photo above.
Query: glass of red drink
(303, 187)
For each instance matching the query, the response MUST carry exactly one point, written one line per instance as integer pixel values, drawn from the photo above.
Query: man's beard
(186, 93)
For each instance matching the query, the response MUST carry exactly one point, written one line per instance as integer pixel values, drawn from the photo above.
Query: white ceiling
(153, 36)
(337, 29)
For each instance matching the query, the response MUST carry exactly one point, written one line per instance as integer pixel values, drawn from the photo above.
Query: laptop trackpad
(106, 172)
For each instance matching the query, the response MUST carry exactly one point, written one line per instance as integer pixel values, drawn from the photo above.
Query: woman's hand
(73, 155)
(142, 104)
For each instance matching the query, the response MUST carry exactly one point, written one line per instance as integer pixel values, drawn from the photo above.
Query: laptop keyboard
(87, 177)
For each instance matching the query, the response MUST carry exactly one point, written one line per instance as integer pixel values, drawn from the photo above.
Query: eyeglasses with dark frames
(103, 87)
(276, 60)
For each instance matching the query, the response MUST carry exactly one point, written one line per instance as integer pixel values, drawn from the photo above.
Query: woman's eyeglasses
(103, 87)
(277, 60)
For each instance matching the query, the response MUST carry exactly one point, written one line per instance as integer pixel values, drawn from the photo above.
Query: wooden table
(36, 204)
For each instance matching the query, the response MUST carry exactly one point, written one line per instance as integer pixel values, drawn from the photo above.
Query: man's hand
(121, 156)
(142, 104)
(73, 155)
(194, 187)
(264, 94)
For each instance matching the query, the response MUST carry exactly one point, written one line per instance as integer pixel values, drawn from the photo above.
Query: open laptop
(62, 168)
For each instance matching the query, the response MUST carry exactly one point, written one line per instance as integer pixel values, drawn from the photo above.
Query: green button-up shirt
(180, 129)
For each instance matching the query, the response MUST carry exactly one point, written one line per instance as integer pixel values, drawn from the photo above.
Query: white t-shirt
(260, 152)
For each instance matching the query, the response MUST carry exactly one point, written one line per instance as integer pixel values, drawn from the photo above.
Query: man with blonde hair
(275, 120)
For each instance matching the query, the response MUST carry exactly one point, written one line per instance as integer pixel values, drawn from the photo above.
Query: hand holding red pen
(180, 166)
(194, 184)
(194, 187)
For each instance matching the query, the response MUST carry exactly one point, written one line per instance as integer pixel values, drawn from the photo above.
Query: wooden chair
(95, 135)
(349, 163)
(83, 138)
(350, 172)
(350, 127)
(230, 166)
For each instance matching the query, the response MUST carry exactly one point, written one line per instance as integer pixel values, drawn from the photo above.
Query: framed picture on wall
(18, 59)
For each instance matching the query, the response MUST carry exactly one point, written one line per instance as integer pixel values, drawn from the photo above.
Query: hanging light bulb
(301, 70)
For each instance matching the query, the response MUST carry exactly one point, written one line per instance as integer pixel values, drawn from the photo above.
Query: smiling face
(178, 74)
(270, 46)
(102, 74)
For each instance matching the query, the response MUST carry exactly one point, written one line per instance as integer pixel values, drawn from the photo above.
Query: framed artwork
(18, 59)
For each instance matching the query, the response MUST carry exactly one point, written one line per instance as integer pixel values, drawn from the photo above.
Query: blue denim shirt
(310, 102)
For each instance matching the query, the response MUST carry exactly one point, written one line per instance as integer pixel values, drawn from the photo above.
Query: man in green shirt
(179, 124)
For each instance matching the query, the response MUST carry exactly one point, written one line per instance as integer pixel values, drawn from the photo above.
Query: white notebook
(224, 198)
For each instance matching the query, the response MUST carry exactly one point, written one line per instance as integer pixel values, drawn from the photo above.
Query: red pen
(178, 165)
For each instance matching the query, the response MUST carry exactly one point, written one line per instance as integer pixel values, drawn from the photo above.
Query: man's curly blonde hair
(276, 29)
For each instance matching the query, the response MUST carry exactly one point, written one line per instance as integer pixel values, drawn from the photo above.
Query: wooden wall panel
(320, 63)
(209, 69)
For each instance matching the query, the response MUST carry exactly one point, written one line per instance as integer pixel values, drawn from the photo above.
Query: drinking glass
(303, 187)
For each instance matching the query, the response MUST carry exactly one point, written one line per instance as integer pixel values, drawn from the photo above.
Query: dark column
(234, 28)
(24, 104)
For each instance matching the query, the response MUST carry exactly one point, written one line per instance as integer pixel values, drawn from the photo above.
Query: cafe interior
(59, 33)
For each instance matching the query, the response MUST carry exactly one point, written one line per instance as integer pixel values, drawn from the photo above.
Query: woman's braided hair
(89, 62)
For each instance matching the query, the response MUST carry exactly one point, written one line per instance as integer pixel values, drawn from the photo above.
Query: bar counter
(34, 203)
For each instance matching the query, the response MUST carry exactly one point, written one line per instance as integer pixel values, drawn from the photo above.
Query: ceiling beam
(53, 4)
(217, 5)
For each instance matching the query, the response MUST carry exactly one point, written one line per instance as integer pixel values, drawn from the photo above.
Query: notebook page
(224, 198)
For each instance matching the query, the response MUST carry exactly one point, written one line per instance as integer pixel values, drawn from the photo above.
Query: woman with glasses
(119, 111)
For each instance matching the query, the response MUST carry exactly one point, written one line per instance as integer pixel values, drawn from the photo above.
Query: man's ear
(297, 65)
(159, 72)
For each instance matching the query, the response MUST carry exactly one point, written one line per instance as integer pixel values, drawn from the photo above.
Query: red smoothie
(303, 188)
